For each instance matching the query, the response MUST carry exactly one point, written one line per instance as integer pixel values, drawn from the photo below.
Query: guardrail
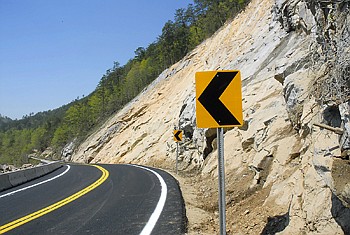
(12, 179)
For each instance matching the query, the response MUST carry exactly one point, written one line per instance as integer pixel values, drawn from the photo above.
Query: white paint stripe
(34, 185)
(159, 208)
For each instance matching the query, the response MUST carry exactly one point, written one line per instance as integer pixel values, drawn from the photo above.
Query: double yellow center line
(39, 213)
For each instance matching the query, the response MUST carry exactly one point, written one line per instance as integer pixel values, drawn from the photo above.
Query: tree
(61, 136)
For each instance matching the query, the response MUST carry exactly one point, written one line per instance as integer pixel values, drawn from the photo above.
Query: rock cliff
(287, 168)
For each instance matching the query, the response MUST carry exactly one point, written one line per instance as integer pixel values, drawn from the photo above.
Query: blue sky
(53, 51)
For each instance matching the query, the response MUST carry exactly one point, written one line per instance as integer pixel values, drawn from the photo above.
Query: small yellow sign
(178, 135)
(219, 99)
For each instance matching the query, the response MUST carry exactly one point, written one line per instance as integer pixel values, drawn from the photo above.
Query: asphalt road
(82, 199)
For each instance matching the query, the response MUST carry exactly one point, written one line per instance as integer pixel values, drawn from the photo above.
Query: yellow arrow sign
(219, 99)
(177, 135)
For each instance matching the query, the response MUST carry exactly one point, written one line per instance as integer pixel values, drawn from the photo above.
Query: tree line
(119, 85)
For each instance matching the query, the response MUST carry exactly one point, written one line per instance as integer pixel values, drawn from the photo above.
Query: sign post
(218, 105)
(177, 157)
(221, 178)
(177, 139)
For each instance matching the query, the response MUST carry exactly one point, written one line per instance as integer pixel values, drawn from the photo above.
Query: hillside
(4, 121)
(283, 173)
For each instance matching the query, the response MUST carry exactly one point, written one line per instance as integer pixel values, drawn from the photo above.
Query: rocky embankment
(287, 168)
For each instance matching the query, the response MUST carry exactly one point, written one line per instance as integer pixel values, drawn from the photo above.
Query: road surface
(103, 199)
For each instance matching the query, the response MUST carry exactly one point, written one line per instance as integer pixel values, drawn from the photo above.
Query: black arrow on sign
(177, 137)
(210, 98)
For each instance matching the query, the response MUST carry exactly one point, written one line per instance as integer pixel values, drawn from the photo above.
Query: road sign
(178, 135)
(177, 138)
(219, 99)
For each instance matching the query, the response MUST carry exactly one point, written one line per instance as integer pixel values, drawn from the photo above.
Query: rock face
(281, 169)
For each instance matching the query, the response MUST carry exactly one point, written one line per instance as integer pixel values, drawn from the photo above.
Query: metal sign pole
(177, 155)
(177, 150)
(221, 177)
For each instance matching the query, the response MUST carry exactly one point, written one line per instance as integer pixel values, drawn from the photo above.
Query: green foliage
(61, 136)
(19, 137)
(118, 86)
(4, 121)
(15, 144)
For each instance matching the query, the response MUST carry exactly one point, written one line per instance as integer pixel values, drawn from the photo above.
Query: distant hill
(4, 121)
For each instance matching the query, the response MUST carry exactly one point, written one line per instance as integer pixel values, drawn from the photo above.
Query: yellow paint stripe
(39, 213)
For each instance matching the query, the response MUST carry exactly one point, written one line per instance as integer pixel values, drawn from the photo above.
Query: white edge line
(159, 208)
(37, 184)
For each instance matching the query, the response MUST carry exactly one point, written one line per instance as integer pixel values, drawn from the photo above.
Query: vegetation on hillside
(4, 121)
(118, 85)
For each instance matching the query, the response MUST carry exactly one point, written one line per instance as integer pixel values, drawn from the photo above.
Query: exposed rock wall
(281, 169)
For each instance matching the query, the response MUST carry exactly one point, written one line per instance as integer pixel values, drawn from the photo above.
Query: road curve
(123, 203)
